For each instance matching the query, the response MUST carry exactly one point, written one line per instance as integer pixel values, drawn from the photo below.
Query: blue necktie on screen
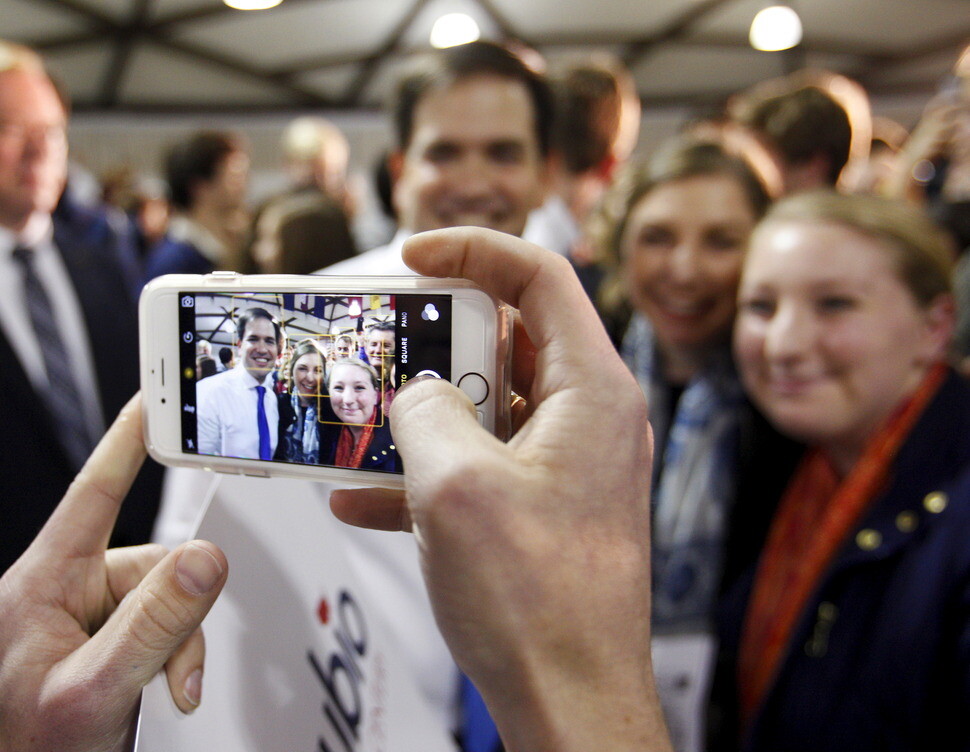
(62, 397)
(264, 448)
(478, 732)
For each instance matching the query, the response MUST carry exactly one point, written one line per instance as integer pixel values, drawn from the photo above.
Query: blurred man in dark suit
(68, 333)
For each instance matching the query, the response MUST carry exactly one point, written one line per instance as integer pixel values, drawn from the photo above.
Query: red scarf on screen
(349, 455)
(817, 512)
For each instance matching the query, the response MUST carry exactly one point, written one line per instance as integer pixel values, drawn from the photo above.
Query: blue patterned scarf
(693, 483)
(302, 440)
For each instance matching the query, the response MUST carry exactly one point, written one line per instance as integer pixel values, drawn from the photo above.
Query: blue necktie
(264, 450)
(478, 732)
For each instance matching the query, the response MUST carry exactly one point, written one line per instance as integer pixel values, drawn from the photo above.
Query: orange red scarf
(816, 514)
(349, 455)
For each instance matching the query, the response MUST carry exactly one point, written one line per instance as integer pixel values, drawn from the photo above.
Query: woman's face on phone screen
(352, 394)
(307, 373)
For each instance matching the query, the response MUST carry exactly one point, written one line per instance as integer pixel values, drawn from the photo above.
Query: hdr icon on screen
(340, 675)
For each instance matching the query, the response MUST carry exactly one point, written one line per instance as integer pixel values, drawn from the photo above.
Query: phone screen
(304, 378)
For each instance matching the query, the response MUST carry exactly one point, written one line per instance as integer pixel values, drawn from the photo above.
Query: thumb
(153, 620)
(438, 435)
(434, 424)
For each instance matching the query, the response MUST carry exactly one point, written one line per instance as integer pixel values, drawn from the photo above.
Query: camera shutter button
(475, 386)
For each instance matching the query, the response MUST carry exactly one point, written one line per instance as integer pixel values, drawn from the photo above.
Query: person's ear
(605, 169)
(816, 170)
(395, 165)
(198, 189)
(395, 168)
(939, 324)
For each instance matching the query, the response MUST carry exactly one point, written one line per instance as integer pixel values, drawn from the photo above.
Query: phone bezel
(480, 344)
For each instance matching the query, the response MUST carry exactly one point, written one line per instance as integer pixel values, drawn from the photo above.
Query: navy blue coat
(287, 419)
(880, 659)
(175, 257)
(381, 454)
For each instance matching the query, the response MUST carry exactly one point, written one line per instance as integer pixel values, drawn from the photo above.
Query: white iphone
(294, 375)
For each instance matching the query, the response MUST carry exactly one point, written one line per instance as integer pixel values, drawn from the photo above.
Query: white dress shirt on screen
(226, 413)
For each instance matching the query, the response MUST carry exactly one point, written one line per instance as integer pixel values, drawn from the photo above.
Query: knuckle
(462, 486)
(73, 703)
(158, 621)
(90, 484)
(635, 403)
(154, 551)
(558, 265)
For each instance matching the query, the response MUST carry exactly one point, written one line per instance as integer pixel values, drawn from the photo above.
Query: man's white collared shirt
(385, 259)
(226, 413)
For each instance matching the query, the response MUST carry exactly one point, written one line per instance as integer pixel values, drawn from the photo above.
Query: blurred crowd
(788, 282)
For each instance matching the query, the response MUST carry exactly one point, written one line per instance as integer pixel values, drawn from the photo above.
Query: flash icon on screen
(430, 313)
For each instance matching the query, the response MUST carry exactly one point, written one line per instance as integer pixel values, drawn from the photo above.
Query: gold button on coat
(906, 522)
(868, 539)
(936, 502)
(827, 611)
(818, 645)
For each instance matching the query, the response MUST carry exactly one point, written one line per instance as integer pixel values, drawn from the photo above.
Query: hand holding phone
(536, 552)
(287, 375)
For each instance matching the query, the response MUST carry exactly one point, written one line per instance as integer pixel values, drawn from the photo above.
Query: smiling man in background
(473, 128)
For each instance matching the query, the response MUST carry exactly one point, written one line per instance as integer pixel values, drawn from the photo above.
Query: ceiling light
(252, 4)
(775, 28)
(453, 29)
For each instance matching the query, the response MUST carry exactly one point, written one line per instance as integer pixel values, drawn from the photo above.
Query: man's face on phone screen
(380, 344)
(259, 348)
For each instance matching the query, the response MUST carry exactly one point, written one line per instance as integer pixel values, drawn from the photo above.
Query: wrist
(570, 708)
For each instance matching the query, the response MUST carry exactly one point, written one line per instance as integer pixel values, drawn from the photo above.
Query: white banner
(299, 654)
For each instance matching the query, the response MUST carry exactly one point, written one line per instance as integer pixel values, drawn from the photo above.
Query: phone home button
(475, 386)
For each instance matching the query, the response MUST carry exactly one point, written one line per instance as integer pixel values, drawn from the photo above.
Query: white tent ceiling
(200, 56)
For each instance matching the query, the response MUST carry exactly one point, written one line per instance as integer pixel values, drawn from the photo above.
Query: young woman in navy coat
(852, 631)
(362, 439)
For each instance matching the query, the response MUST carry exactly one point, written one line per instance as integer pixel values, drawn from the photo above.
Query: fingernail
(197, 570)
(193, 688)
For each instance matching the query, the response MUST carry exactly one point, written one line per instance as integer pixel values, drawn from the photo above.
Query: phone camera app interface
(304, 378)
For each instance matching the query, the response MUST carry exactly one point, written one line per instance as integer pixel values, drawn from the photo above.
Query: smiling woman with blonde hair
(852, 631)
(362, 437)
(299, 414)
(680, 226)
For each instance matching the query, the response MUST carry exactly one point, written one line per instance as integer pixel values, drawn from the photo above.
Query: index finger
(541, 284)
(82, 523)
